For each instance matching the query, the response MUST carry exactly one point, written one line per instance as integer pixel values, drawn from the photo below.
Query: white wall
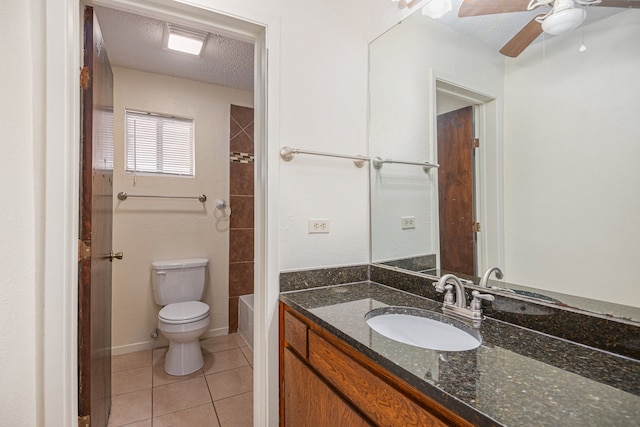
(323, 101)
(148, 230)
(572, 182)
(404, 62)
(18, 251)
(318, 101)
(384, 14)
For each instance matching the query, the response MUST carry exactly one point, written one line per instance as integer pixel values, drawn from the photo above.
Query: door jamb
(486, 128)
(63, 34)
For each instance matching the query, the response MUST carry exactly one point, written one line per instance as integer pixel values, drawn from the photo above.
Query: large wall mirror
(554, 185)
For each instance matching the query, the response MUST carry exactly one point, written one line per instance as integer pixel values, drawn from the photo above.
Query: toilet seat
(184, 312)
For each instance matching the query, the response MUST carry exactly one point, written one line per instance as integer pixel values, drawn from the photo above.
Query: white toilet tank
(178, 280)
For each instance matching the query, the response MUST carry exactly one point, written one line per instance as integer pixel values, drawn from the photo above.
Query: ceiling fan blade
(489, 7)
(523, 39)
(620, 3)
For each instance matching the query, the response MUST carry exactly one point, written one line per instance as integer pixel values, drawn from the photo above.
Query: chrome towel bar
(286, 153)
(123, 196)
(378, 162)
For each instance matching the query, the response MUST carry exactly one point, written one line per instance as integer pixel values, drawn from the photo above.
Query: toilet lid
(183, 312)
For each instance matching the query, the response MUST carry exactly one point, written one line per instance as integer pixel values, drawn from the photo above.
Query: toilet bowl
(178, 286)
(183, 324)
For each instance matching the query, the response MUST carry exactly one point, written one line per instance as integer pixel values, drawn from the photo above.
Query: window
(159, 144)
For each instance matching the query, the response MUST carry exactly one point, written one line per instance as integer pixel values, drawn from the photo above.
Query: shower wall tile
(242, 143)
(243, 116)
(234, 129)
(241, 199)
(240, 245)
(233, 314)
(240, 278)
(241, 182)
(242, 208)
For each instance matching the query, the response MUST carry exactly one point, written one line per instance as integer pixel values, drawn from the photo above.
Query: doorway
(466, 118)
(180, 209)
(456, 181)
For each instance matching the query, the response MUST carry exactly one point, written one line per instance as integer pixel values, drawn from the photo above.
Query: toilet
(178, 286)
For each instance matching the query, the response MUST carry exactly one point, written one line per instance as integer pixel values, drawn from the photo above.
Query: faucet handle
(476, 303)
(448, 296)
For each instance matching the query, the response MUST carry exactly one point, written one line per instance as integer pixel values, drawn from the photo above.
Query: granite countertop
(517, 377)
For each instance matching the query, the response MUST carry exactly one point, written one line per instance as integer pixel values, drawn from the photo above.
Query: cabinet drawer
(372, 396)
(295, 334)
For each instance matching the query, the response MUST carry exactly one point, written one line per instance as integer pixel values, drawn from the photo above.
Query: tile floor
(219, 395)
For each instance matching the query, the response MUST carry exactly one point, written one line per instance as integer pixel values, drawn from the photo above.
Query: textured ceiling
(135, 42)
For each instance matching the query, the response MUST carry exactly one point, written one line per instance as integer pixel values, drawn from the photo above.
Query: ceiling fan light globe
(437, 8)
(563, 21)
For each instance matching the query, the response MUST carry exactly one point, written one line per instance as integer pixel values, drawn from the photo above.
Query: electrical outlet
(408, 222)
(318, 225)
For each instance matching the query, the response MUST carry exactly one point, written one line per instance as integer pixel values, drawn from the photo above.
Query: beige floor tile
(230, 383)
(201, 416)
(159, 353)
(181, 395)
(138, 359)
(130, 380)
(145, 423)
(248, 354)
(219, 343)
(160, 376)
(223, 361)
(239, 340)
(130, 408)
(236, 411)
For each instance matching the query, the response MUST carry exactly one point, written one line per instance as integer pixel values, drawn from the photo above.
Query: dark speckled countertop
(517, 377)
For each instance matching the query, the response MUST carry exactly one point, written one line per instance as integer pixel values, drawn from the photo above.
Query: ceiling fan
(563, 16)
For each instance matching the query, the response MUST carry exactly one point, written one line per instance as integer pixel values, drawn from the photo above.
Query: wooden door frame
(60, 92)
(488, 165)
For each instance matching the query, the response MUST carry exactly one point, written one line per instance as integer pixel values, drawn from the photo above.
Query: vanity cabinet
(325, 382)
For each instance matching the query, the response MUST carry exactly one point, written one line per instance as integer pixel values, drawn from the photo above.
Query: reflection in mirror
(554, 184)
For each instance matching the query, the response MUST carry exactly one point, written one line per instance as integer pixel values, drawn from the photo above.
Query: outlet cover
(407, 222)
(318, 225)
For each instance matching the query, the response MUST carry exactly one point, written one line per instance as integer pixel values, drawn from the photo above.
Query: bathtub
(245, 318)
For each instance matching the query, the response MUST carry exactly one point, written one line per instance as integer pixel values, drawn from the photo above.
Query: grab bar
(378, 162)
(124, 196)
(286, 153)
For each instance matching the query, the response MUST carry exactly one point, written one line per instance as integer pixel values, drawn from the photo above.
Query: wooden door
(455, 191)
(96, 209)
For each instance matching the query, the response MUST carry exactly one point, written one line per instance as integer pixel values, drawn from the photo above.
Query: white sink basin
(422, 328)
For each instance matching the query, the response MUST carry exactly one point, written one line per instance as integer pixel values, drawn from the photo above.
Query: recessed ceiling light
(184, 40)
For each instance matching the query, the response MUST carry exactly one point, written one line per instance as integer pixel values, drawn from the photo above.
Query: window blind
(159, 144)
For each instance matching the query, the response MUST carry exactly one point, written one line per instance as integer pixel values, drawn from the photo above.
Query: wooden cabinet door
(309, 402)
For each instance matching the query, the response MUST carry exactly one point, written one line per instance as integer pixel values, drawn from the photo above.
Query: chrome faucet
(447, 283)
(461, 297)
(485, 278)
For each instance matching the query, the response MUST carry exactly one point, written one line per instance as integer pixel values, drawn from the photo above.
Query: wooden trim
(84, 421)
(281, 311)
(295, 335)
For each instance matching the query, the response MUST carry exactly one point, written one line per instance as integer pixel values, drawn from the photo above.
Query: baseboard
(161, 342)
(216, 332)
